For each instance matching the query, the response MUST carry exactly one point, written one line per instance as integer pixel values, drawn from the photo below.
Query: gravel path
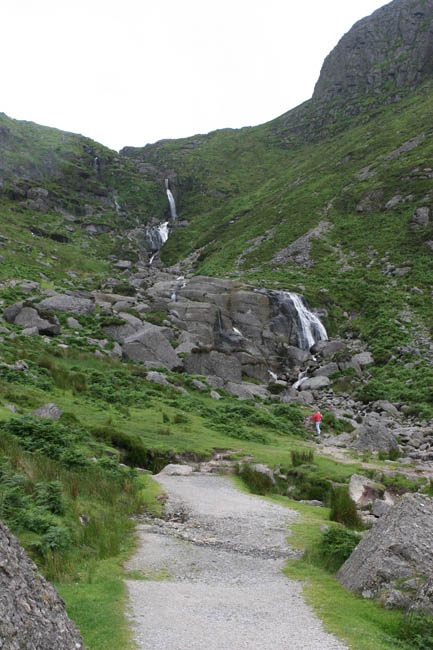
(224, 551)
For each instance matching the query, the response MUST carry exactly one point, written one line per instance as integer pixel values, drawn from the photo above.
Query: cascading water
(156, 236)
(171, 201)
(309, 329)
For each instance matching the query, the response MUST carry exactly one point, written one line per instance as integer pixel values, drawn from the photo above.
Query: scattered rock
(49, 410)
(363, 491)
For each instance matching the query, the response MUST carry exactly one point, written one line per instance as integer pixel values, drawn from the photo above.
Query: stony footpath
(215, 568)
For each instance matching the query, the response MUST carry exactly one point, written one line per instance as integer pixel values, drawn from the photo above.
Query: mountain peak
(391, 49)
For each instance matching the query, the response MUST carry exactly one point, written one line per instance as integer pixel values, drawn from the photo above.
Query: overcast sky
(129, 72)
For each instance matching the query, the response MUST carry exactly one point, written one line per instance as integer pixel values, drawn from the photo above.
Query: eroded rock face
(396, 550)
(32, 614)
(394, 44)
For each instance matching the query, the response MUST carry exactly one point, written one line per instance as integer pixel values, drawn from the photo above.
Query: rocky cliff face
(32, 614)
(391, 48)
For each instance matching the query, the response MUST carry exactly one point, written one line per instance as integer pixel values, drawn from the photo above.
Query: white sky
(129, 72)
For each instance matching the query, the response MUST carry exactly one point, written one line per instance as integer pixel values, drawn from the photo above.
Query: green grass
(97, 605)
(360, 623)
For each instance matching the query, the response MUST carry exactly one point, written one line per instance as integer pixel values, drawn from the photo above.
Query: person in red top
(317, 418)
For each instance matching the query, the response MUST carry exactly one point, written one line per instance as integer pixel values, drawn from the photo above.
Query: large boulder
(363, 491)
(177, 470)
(28, 317)
(151, 345)
(32, 614)
(375, 438)
(64, 303)
(395, 551)
(315, 383)
(246, 390)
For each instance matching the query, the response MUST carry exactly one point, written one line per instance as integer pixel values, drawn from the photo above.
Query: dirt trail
(221, 555)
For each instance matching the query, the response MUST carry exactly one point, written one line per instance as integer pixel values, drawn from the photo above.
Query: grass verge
(97, 605)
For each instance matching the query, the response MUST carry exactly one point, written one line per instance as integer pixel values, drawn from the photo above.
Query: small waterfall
(303, 376)
(171, 201)
(309, 329)
(273, 375)
(157, 236)
(96, 164)
(117, 205)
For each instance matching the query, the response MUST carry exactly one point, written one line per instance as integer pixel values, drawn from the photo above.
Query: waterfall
(157, 236)
(303, 376)
(96, 164)
(309, 329)
(171, 201)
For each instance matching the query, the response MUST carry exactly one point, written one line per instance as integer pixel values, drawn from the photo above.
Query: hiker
(317, 418)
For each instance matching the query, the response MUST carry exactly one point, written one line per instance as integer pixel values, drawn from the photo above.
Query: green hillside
(332, 200)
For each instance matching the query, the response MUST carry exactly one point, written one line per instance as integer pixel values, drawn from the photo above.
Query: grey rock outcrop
(32, 614)
(395, 551)
(151, 345)
(65, 303)
(28, 317)
(393, 45)
(422, 602)
(214, 363)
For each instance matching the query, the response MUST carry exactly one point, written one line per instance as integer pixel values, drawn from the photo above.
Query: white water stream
(310, 328)
(171, 201)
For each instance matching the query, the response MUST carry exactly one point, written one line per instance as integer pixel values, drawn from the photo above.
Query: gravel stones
(224, 551)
